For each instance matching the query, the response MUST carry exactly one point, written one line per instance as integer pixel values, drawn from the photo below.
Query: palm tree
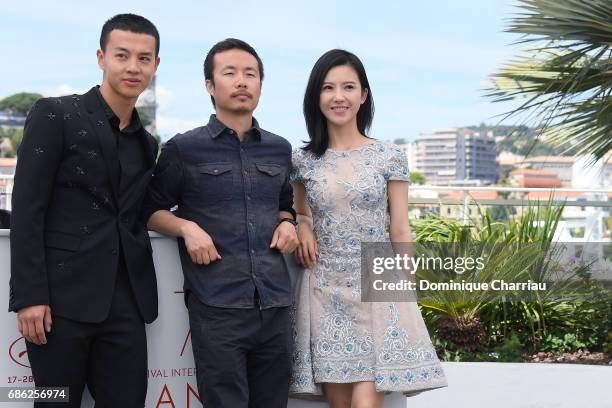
(565, 77)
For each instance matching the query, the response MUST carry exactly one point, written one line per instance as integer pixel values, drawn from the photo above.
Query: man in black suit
(82, 277)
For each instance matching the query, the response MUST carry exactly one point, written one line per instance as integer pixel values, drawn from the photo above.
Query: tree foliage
(565, 77)
(417, 178)
(19, 103)
(144, 117)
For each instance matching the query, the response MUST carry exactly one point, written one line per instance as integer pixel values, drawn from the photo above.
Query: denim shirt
(233, 191)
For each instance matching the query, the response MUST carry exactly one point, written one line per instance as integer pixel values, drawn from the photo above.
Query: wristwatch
(290, 220)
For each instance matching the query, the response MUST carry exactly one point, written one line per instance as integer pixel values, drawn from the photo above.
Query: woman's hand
(307, 252)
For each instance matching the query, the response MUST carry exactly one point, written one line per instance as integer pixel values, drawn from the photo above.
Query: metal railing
(514, 202)
(599, 198)
(575, 215)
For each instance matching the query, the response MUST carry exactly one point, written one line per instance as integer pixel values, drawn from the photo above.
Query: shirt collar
(217, 127)
(113, 119)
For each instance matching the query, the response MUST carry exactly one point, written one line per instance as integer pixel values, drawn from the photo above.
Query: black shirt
(130, 149)
(130, 153)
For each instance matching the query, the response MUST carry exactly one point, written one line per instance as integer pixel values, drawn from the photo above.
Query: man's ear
(210, 87)
(100, 56)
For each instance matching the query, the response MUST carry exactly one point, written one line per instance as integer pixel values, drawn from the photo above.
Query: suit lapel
(105, 135)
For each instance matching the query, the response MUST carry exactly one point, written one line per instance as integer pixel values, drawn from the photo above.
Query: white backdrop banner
(171, 372)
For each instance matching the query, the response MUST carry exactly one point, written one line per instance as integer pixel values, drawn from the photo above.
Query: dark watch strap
(290, 220)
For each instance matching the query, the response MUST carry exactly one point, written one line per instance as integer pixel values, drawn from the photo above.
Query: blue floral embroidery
(337, 337)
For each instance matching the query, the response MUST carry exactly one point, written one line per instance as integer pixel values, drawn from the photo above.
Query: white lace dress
(338, 338)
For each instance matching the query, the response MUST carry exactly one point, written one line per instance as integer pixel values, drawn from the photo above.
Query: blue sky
(427, 62)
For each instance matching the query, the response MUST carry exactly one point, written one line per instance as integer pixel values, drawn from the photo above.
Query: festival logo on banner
(167, 396)
(19, 356)
(188, 335)
(18, 353)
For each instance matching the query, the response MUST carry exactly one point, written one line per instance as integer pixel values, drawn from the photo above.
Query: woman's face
(341, 95)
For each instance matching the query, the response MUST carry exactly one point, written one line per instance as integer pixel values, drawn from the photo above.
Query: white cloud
(168, 126)
(64, 89)
(164, 98)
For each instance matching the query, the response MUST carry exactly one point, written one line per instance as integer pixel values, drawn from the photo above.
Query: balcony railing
(425, 197)
(584, 209)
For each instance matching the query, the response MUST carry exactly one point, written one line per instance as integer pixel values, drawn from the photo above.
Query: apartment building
(457, 154)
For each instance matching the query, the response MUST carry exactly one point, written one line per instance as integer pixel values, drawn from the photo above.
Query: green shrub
(574, 313)
(607, 347)
(511, 350)
(567, 343)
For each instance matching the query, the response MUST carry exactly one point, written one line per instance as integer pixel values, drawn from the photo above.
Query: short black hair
(226, 45)
(316, 124)
(129, 22)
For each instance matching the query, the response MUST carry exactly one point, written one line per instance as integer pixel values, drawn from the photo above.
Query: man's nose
(241, 81)
(133, 65)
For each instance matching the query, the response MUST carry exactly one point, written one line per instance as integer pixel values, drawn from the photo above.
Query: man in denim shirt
(234, 219)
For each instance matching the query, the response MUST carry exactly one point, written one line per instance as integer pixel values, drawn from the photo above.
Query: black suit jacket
(69, 226)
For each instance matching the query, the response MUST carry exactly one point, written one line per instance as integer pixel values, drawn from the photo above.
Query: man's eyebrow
(121, 49)
(234, 67)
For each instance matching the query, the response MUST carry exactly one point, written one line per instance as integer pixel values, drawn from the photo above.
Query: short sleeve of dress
(297, 163)
(397, 164)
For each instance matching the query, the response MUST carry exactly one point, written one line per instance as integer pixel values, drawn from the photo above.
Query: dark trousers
(110, 357)
(242, 356)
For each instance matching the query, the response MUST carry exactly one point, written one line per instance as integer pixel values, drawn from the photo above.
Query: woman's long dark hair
(316, 124)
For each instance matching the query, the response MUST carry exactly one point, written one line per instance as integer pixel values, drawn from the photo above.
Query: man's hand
(285, 238)
(32, 323)
(199, 244)
(307, 253)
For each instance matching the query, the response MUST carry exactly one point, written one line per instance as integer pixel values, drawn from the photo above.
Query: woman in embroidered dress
(350, 188)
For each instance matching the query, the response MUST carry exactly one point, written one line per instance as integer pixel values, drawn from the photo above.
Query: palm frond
(565, 79)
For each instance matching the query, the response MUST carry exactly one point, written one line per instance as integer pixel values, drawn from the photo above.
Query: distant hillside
(520, 140)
